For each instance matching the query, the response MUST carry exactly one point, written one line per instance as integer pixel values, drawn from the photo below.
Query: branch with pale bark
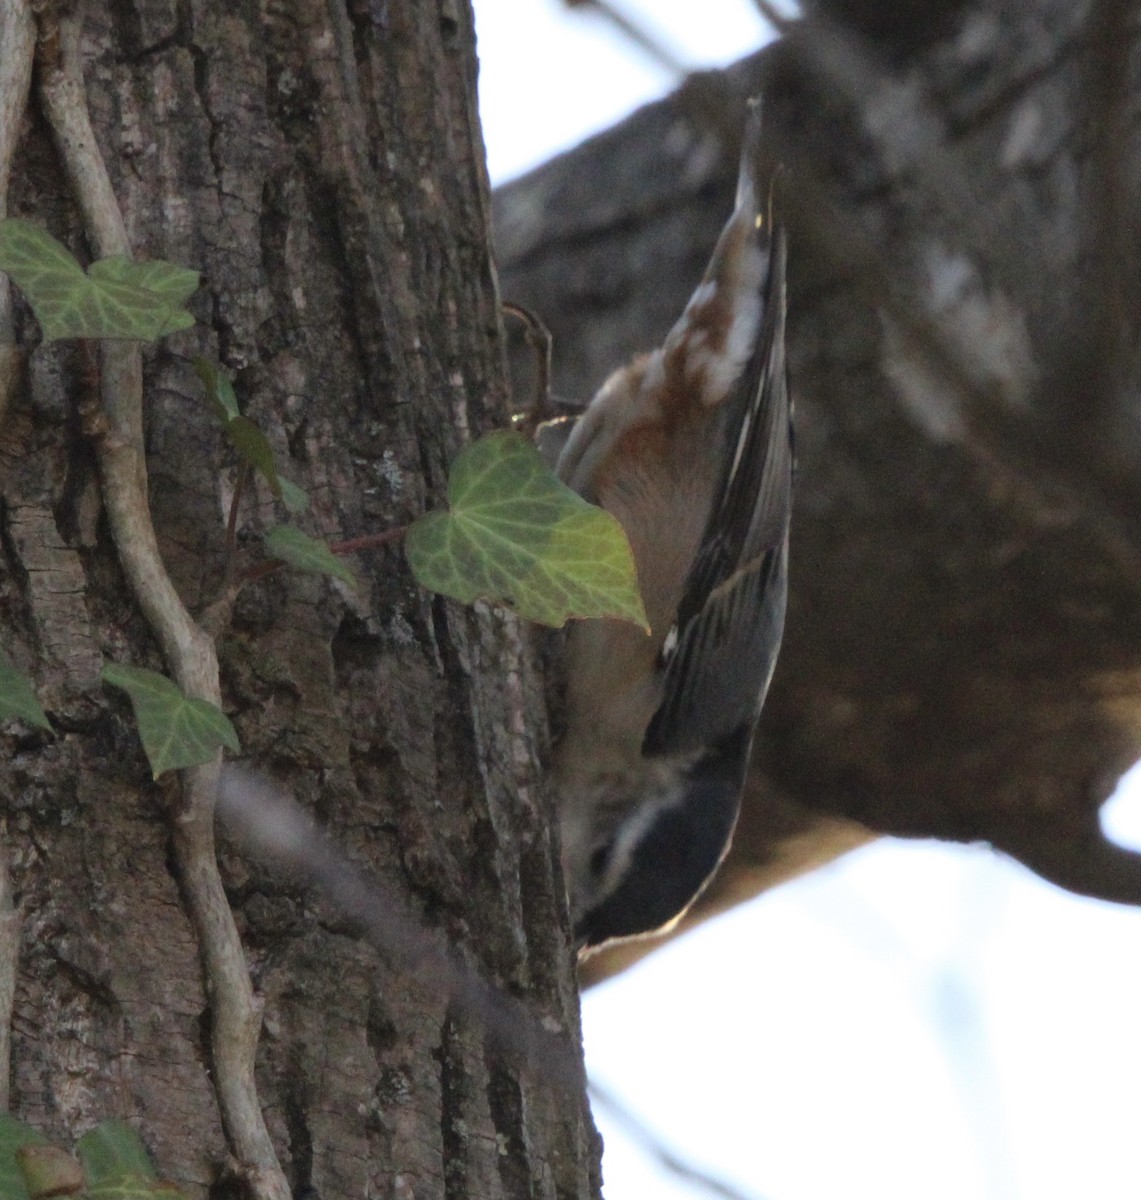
(189, 651)
(17, 50)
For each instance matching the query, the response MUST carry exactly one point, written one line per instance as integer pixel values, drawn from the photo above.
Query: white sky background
(916, 1022)
(549, 77)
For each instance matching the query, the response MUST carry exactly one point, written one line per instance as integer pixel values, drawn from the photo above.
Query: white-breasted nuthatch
(690, 447)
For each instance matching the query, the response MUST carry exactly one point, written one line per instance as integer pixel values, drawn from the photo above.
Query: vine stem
(217, 615)
(17, 50)
(367, 541)
(189, 651)
(10, 930)
(232, 523)
(539, 337)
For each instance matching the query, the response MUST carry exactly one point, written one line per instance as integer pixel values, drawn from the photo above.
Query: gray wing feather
(731, 616)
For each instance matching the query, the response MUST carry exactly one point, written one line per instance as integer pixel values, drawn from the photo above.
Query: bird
(690, 447)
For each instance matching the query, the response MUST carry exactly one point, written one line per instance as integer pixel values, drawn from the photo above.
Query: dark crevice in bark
(455, 1097)
(296, 1100)
(544, 907)
(505, 1100)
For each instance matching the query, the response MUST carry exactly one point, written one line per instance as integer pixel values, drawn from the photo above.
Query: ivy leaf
(116, 298)
(298, 549)
(17, 698)
(176, 731)
(14, 1136)
(245, 436)
(113, 1148)
(519, 536)
(118, 1168)
(174, 284)
(294, 498)
(49, 1171)
(131, 1187)
(219, 390)
(254, 447)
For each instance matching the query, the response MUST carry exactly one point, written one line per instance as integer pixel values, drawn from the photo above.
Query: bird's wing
(719, 657)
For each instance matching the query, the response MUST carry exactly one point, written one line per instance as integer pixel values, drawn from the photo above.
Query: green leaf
(118, 1167)
(168, 280)
(130, 1187)
(14, 1135)
(49, 1171)
(519, 536)
(246, 437)
(295, 499)
(251, 444)
(113, 1148)
(117, 298)
(176, 731)
(17, 698)
(298, 549)
(219, 390)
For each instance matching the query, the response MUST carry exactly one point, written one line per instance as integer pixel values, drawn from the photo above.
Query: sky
(535, 103)
(916, 1021)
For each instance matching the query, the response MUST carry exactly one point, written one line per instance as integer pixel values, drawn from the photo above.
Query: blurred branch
(1114, 315)
(909, 138)
(633, 32)
(267, 822)
(774, 16)
(655, 1148)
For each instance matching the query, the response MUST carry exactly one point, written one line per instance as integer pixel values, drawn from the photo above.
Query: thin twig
(539, 338)
(631, 30)
(269, 823)
(774, 16)
(188, 650)
(216, 616)
(656, 1149)
(546, 405)
(232, 521)
(367, 541)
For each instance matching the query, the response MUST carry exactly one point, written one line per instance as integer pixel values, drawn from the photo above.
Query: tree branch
(232, 523)
(637, 35)
(775, 18)
(657, 1149)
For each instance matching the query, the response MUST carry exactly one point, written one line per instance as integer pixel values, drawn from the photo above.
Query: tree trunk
(320, 161)
(962, 656)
